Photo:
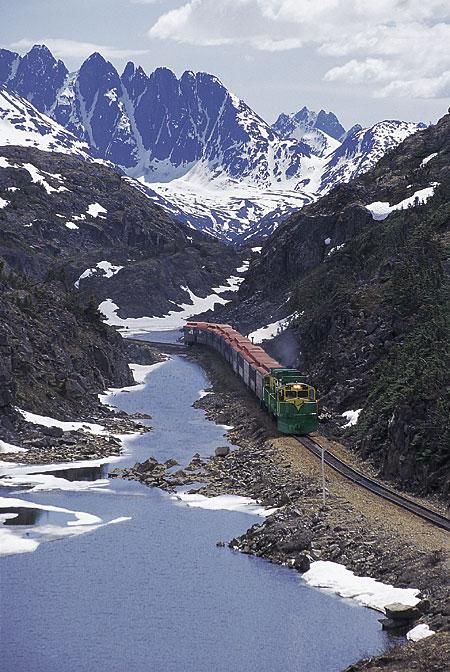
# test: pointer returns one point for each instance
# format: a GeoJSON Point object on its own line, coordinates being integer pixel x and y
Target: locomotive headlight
{"type": "Point", "coordinates": [298, 387]}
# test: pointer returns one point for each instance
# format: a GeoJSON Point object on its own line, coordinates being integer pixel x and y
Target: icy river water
{"type": "Point", "coordinates": [153, 592]}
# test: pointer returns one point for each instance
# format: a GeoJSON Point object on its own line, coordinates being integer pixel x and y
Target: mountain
{"type": "Point", "coordinates": [322, 130]}
{"type": "Point", "coordinates": [297, 124]}
{"type": "Point", "coordinates": [362, 148]}
{"type": "Point", "coordinates": [363, 274]}
{"type": "Point", "coordinates": [200, 152]}
{"type": "Point", "coordinates": [84, 224]}
{"type": "Point", "coordinates": [22, 124]}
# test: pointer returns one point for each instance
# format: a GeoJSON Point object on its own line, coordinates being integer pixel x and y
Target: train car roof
{"type": "Point", "coordinates": [254, 354]}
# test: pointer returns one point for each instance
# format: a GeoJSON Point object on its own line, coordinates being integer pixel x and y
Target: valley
{"type": "Point", "coordinates": [129, 204]}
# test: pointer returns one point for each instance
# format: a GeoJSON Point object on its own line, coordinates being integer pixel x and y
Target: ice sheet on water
{"type": "Point", "coordinates": [25, 539]}
{"type": "Point", "coordinates": [46, 482]}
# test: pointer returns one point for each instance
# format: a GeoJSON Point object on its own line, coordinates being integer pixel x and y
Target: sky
{"type": "Point", "coordinates": [365, 60]}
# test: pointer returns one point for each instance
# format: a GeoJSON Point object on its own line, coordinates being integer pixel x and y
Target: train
{"type": "Point", "coordinates": [282, 392]}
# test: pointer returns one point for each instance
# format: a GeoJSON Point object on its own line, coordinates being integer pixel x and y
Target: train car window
{"type": "Point", "coordinates": [281, 395]}
{"type": "Point", "coordinates": [311, 394]}
{"type": "Point", "coordinates": [290, 394]}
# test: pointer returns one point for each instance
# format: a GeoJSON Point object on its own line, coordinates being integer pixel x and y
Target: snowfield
{"type": "Point", "coordinates": [175, 319]}
{"type": "Point", "coordinates": [22, 124]}
{"type": "Point", "coordinates": [382, 209]}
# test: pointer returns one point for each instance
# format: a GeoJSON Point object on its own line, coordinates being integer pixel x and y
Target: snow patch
{"type": "Point", "coordinates": [9, 448]}
{"type": "Point", "coordinates": [107, 269]}
{"type": "Point", "coordinates": [427, 159]}
{"type": "Point", "coordinates": [71, 225]}
{"type": "Point", "coordinates": [66, 426]}
{"type": "Point", "coordinates": [96, 210]}
{"type": "Point", "coordinates": [3, 203]}
{"type": "Point", "coordinates": [38, 178]}
{"type": "Point", "coordinates": [366, 591]}
{"type": "Point", "coordinates": [203, 393]}
{"type": "Point", "coordinates": [381, 209]}
{"type": "Point", "coordinates": [222, 503]}
{"type": "Point", "coordinates": [351, 417]}
{"type": "Point", "coordinates": [175, 319]}
{"type": "Point", "coordinates": [244, 267]}
{"type": "Point", "coordinates": [271, 330]}
{"type": "Point", "coordinates": [421, 631]}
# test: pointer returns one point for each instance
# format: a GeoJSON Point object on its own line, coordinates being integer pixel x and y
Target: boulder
{"type": "Point", "coordinates": [53, 431]}
{"type": "Point", "coordinates": [302, 563]}
{"type": "Point", "coordinates": [300, 542]}
{"type": "Point", "coordinates": [401, 612]}
{"type": "Point", "coordinates": [222, 451]}
{"type": "Point", "coordinates": [148, 465]}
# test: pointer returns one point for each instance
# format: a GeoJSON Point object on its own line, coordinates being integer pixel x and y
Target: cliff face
{"type": "Point", "coordinates": [369, 285]}
{"type": "Point", "coordinates": [56, 355]}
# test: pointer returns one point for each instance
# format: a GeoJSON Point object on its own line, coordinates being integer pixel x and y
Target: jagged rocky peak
{"type": "Point", "coordinates": [299, 123]}
{"type": "Point", "coordinates": [160, 127]}
{"type": "Point", "coordinates": [39, 76]}
{"type": "Point", "coordinates": [362, 148]}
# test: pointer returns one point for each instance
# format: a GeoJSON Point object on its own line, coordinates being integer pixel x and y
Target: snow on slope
{"type": "Point", "coordinates": [362, 149]}
{"type": "Point", "coordinates": [22, 124]}
{"type": "Point", "coordinates": [201, 152]}
{"type": "Point", "coordinates": [230, 213]}
{"type": "Point", "coordinates": [381, 209]}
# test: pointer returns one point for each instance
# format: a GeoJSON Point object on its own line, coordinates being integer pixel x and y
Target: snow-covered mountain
{"type": "Point", "coordinates": [197, 149]}
{"type": "Point", "coordinates": [322, 131]}
{"type": "Point", "coordinates": [22, 124]}
{"type": "Point", "coordinates": [362, 148]}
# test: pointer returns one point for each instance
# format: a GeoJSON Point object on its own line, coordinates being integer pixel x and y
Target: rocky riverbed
{"type": "Point", "coordinates": [265, 466]}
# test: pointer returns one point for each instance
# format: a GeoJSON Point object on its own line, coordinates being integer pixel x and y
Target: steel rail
{"type": "Point", "coordinates": [375, 486]}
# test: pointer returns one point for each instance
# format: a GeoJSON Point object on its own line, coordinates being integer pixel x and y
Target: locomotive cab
{"type": "Point", "coordinates": [291, 400]}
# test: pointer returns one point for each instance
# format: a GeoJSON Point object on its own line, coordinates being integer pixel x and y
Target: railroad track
{"type": "Point", "coordinates": [374, 486]}
{"type": "Point", "coordinates": [162, 345]}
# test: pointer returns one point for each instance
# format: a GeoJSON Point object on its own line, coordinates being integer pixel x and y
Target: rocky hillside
{"type": "Point", "coordinates": [55, 354]}
{"type": "Point", "coordinates": [365, 272]}
{"type": "Point", "coordinates": [89, 227]}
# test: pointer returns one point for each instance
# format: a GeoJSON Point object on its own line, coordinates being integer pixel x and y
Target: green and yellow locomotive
{"type": "Point", "coordinates": [284, 393]}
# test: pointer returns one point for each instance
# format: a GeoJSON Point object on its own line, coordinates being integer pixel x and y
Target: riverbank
{"type": "Point", "coordinates": [40, 439]}
{"type": "Point", "coordinates": [368, 536]}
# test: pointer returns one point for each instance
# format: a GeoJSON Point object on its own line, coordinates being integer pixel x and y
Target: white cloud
{"type": "Point", "coordinates": [62, 48]}
{"type": "Point", "coordinates": [399, 47]}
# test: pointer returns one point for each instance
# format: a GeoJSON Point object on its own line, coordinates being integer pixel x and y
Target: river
{"type": "Point", "coordinates": [153, 591]}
